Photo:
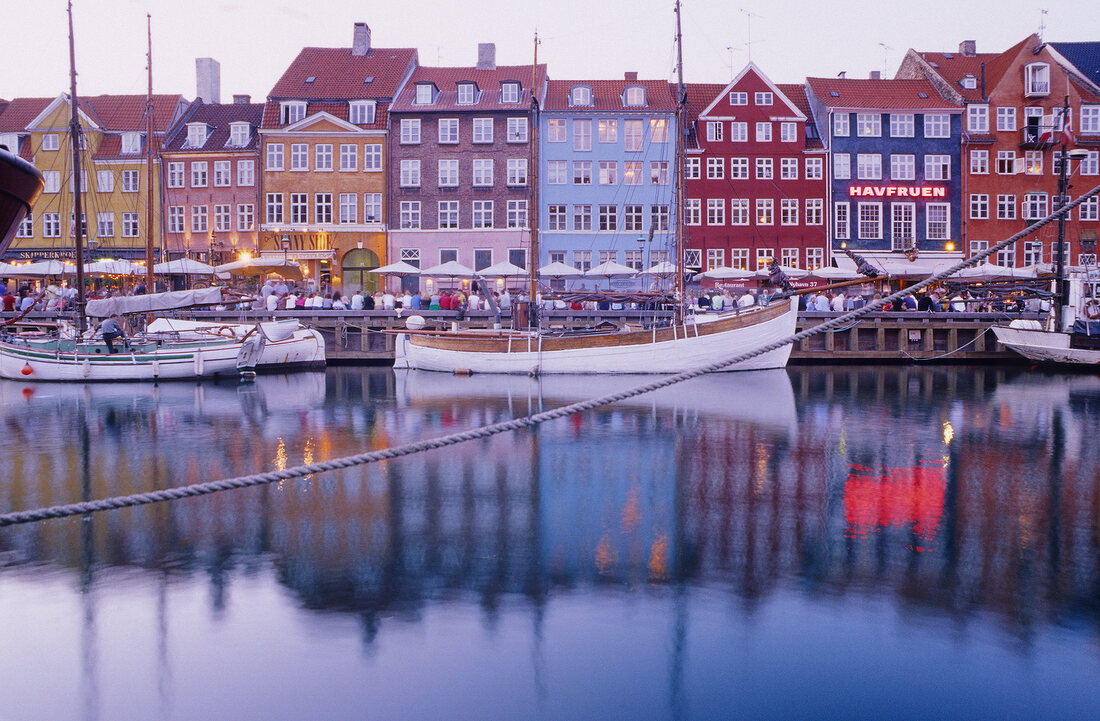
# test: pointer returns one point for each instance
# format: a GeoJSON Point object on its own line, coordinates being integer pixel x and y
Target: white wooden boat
{"type": "Point", "coordinates": [671, 349]}
{"type": "Point", "coordinates": [1077, 343]}
{"type": "Point", "coordinates": [287, 343]}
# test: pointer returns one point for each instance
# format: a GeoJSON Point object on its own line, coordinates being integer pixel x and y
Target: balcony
{"type": "Point", "coordinates": [1036, 88]}
{"type": "Point", "coordinates": [1039, 137]}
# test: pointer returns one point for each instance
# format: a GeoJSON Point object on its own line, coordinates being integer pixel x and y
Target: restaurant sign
{"type": "Point", "coordinates": [896, 191]}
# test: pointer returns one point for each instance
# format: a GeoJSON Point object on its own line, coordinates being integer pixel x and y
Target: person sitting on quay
{"type": "Point", "coordinates": [357, 299]}
{"type": "Point", "coordinates": [747, 300]}
{"type": "Point", "coordinates": [822, 302]}
{"type": "Point", "coordinates": [505, 300]}
{"type": "Point", "coordinates": [338, 301]}
{"type": "Point", "coordinates": [368, 301]}
{"type": "Point", "coordinates": [446, 300]}
{"type": "Point", "coordinates": [416, 302]}
{"type": "Point", "coordinates": [433, 301]}
{"type": "Point", "coordinates": [388, 301]}
{"type": "Point", "coordinates": [290, 301]}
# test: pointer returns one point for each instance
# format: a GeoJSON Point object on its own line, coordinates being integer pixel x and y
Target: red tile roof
{"type": "Point", "coordinates": [336, 109]}
{"type": "Point", "coordinates": [608, 95]}
{"type": "Point", "coordinates": [218, 117]}
{"type": "Point", "coordinates": [488, 82]}
{"type": "Point", "coordinates": [339, 75]}
{"type": "Point", "coordinates": [855, 94]}
{"type": "Point", "coordinates": [20, 112]}
{"type": "Point", "coordinates": [127, 112]}
{"type": "Point", "coordinates": [953, 68]}
{"type": "Point", "coordinates": [699, 96]}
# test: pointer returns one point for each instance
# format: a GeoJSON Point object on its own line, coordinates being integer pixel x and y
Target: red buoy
{"type": "Point", "coordinates": [27, 370]}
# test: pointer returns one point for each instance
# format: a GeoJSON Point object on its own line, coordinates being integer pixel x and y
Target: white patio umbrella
{"type": "Point", "coordinates": [183, 266]}
{"type": "Point", "coordinates": [43, 268]}
{"type": "Point", "coordinates": [611, 269]}
{"type": "Point", "coordinates": [990, 271]}
{"type": "Point", "coordinates": [399, 269]}
{"type": "Point", "coordinates": [113, 267]}
{"type": "Point", "coordinates": [664, 269]}
{"type": "Point", "coordinates": [503, 269]}
{"type": "Point", "coordinates": [559, 270]}
{"type": "Point", "coordinates": [261, 266]}
{"type": "Point", "coordinates": [726, 273]}
{"type": "Point", "coordinates": [451, 269]}
{"type": "Point", "coordinates": [830, 273]}
{"type": "Point", "coordinates": [791, 272]}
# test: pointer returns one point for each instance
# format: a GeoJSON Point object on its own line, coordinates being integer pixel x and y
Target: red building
{"type": "Point", "coordinates": [755, 183]}
{"type": "Point", "coordinates": [1012, 136]}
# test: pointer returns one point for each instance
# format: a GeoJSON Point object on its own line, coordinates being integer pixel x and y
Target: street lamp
{"type": "Point", "coordinates": [285, 242]}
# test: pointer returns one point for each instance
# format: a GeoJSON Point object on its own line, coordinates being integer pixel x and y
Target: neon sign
{"type": "Point", "coordinates": [896, 191]}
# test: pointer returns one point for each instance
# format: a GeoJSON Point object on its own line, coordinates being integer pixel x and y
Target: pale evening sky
{"type": "Point", "coordinates": [255, 40]}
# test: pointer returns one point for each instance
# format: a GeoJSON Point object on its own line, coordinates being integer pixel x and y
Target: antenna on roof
{"type": "Point", "coordinates": [885, 52]}
{"type": "Point", "coordinates": [1042, 23]}
{"type": "Point", "coordinates": [748, 30]}
{"type": "Point", "coordinates": [732, 49]}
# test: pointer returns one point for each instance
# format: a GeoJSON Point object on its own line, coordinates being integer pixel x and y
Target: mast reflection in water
{"type": "Point", "coordinates": [871, 543]}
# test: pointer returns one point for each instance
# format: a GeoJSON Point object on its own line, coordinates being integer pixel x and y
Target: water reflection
{"type": "Point", "coordinates": [952, 493]}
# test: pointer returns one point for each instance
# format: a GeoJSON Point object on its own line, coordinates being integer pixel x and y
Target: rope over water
{"type": "Point", "coordinates": [258, 479]}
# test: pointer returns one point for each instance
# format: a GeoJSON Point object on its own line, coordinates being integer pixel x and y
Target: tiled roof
{"type": "Point", "coordinates": [338, 75]}
{"type": "Point", "coordinates": [336, 109]}
{"type": "Point", "coordinates": [699, 96]}
{"type": "Point", "coordinates": [1084, 56]}
{"type": "Point", "coordinates": [20, 112]}
{"type": "Point", "coordinates": [488, 82]}
{"type": "Point", "coordinates": [796, 93]}
{"type": "Point", "coordinates": [608, 95]}
{"type": "Point", "coordinates": [218, 117]}
{"type": "Point", "coordinates": [127, 112]}
{"type": "Point", "coordinates": [852, 93]}
{"type": "Point", "coordinates": [111, 147]}
{"type": "Point", "coordinates": [953, 67]}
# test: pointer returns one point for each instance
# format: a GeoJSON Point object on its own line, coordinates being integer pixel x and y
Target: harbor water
{"type": "Point", "coordinates": [867, 542]}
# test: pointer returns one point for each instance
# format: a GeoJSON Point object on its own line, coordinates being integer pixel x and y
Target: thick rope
{"type": "Point", "coordinates": [258, 479]}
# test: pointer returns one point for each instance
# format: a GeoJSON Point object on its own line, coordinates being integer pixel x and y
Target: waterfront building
{"type": "Point", "coordinates": [1012, 140]}
{"type": "Point", "coordinates": [323, 147]}
{"type": "Point", "coordinates": [114, 175]}
{"type": "Point", "coordinates": [211, 188]}
{"type": "Point", "coordinates": [754, 170]}
{"type": "Point", "coordinates": [607, 174]}
{"type": "Point", "coordinates": [894, 153]}
{"type": "Point", "coordinates": [460, 163]}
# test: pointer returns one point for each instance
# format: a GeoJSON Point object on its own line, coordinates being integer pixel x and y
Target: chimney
{"type": "Point", "coordinates": [876, 75]}
{"type": "Point", "coordinates": [208, 80]}
{"type": "Point", "coordinates": [486, 56]}
{"type": "Point", "coordinates": [842, 74]}
{"type": "Point", "coordinates": [968, 48]}
{"type": "Point", "coordinates": [360, 41]}
{"type": "Point", "coordinates": [242, 99]}
{"type": "Point", "coordinates": [631, 75]}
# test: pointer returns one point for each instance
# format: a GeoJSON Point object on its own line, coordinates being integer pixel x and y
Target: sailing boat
{"type": "Point", "coordinates": [688, 342]}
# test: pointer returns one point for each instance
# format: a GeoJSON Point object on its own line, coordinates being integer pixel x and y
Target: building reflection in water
{"type": "Point", "coordinates": [953, 490]}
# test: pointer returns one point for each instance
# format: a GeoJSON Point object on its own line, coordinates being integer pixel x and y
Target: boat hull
{"type": "Point", "coordinates": [664, 350]}
{"type": "Point", "coordinates": [288, 344]}
{"type": "Point", "coordinates": [1045, 346]}
{"type": "Point", "coordinates": [32, 361]}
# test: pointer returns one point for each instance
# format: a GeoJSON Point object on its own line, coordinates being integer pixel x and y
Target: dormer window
{"type": "Point", "coordinates": [131, 143]}
{"type": "Point", "coordinates": [970, 82]}
{"type": "Point", "coordinates": [425, 93]}
{"type": "Point", "coordinates": [467, 93]}
{"type": "Point", "coordinates": [509, 93]}
{"type": "Point", "coordinates": [1036, 79]}
{"type": "Point", "coordinates": [581, 95]}
{"type": "Point", "coordinates": [291, 111]}
{"type": "Point", "coordinates": [239, 134]}
{"type": "Point", "coordinates": [361, 112]}
{"type": "Point", "coordinates": [196, 135]}
{"type": "Point", "coordinates": [634, 96]}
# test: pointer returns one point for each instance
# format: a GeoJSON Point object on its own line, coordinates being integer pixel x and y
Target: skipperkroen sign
{"type": "Point", "coordinates": [896, 191]}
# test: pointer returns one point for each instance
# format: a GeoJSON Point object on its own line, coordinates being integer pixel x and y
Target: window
{"type": "Point", "coordinates": [658, 130]}
{"type": "Point", "coordinates": [483, 130]}
{"type": "Point", "coordinates": [349, 157]}
{"type": "Point", "coordinates": [51, 225]}
{"type": "Point", "coordinates": [979, 162]}
{"type": "Point", "coordinates": [448, 172]}
{"type": "Point", "coordinates": [788, 168]}
{"type": "Point", "coordinates": [815, 211]}
{"type": "Point", "coordinates": [582, 217]}
{"type": "Point", "coordinates": [410, 214]}
{"type": "Point", "coordinates": [1006, 207]}
{"type": "Point", "coordinates": [869, 166]}
{"type": "Point", "coordinates": [349, 208]}
{"type": "Point", "coordinates": [322, 156]}
{"type": "Point", "coordinates": [222, 215]}
{"type": "Point", "coordinates": [582, 260]}
{"type": "Point", "coordinates": [903, 225]}
{"type": "Point", "coordinates": [555, 172]}
{"type": "Point", "coordinates": [716, 258]}
{"type": "Point", "coordinates": [977, 118]}
{"type": "Point", "coordinates": [105, 225]}
{"type": "Point", "coordinates": [131, 142]}
{"type": "Point", "coordinates": [764, 169]}
{"type": "Point", "coordinates": [410, 173]}
{"type": "Point", "coordinates": [1006, 119]}
{"type": "Point", "coordinates": [1089, 210]}
{"type": "Point", "coordinates": [868, 125]}
{"type": "Point", "coordinates": [582, 134]}
{"type": "Point", "coordinates": [196, 137]}
{"type": "Point", "coordinates": [483, 214]}
{"type": "Point", "coordinates": [555, 130]}
{"type": "Point", "coordinates": [840, 125]}
{"type": "Point", "coordinates": [446, 255]}
{"type": "Point", "coordinates": [608, 131]}
{"type": "Point", "coordinates": [483, 172]}
{"type": "Point", "coordinates": [175, 218]}
{"type": "Point", "coordinates": [517, 171]}
{"type": "Point", "coordinates": [275, 208]}
{"type": "Point", "coordinates": [448, 131]}
{"type": "Point", "coordinates": [274, 156]}
{"type": "Point", "coordinates": [1034, 206]}
{"type": "Point", "coordinates": [659, 217]}
{"type": "Point", "coordinates": [658, 172]}
{"type": "Point", "coordinates": [580, 95]}
{"type": "Point", "coordinates": [130, 222]}
{"type": "Point", "coordinates": [299, 208]}
{"type": "Point", "coordinates": [223, 170]}
{"type": "Point", "coordinates": [299, 156]}
{"type": "Point", "coordinates": [556, 215]}
{"type": "Point", "coordinates": [84, 181]}
{"type": "Point", "coordinates": [517, 130]}
{"type": "Point", "coordinates": [979, 246]}
{"type": "Point", "coordinates": [246, 216]}
{"type": "Point", "coordinates": [715, 168]}
{"type": "Point", "coordinates": [842, 166]}
{"type": "Point", "coordinates": [938, 221]}
{"type": "Point", "coordinates": [239, 134]}
{"type": "Point", "coordinates": [466, 93]}
{"type": "Point", "coordinates": [903, 167]}
{"type": "Point", "coordinates": [1033, 252]}
{"type": "Point", "coordinates": [1091, 164]}
{"type": "Point", "coordinates": [105, 179]}
{"type": "Point", "coordinates": [693, 168]}
{"type": "Point", "coordinates": [763, 257]}
{"type": "Point", "coordinates": [609, 217]}
{"type": "Point", "coordinates": [425, 93]}
{"type": "Point", "coordinates": [49, 142]}
{"type": "Point", "coordinates": [131, 179]}
{"type": "Point", "coordinates": [739, 258]}
{"type": "Point", "coordinates": [246, 173]}
{"type": "Point", "coordinates": [1006, 162]}
{"type": "Point", "coordinates": [937, 125]}
{"type": "Point", "coordinates": [632, 172]}
{"type": "Point", "coordinates": [53, 181]}
{"type": "Point", "coordinates": [937, 167]}
{"type": "Point", "coordinates": [410, 131]}
{"type": "Point", "coordinates": [608, 172]}
{"type": "Point", "coordinates": [633, 259]}
{"type": "Point", "coordinates": [870, 221]}
{"type": "Point", "coordinates": [788, 211]}
{"type": "Point", "coordinates": [632, 135]}
{"type": "Point", "coordinates": [739, 211]}
{"type": "Point", "coordinates": [765, 211]}
{"type": "Point", "coordinates": [815, 168]}
{"type": "Point", "coordinates": [372, 157]}
{"type": "Point", "coordinates": [199, 220]}
{"type": "Point", "coordinates": [902, 125]}
{"type": "Point", "coordinates": [789, 257]}
{"type": "Point", "coordinates": [739, 168]}
{"type": "Point", "coordinates": [582, 172]}
{"type": "Point", "coordinates": [840, 221]}
{"type": "Point", "coordinates": [763, 132]}
{"type": "Point", "coordinates": [979, 206]}
{"type": "Point", "coordinates": [788, 132]}
{"type": "Point", "coordinates": [1036, 79]}
{"type": "Point", "coordinates": [632, 217]}
{"type": "Point", "coordinates": [1033, 162]}
{"type": "Point", "coordinates": [738, 98]}
{"type": "Point", "coordinates": [762, 98]}
{"type": "Point", "coordinates": [372, 207]}
{"type": "Point", "coordinates": [175, 177]}
{"type": "Point", "coordinates": [448, 214]}
{"type": "Point", "coordinates": [693, 211]}
{"type": "Point", "coordinates": [716, 211]}
{"type": "Point", "coordinates": [361, 112]}
{"type": "Point", "coordinates": [1090, 119]}
{"type": "Point", "coordinates": [26, 226]}
{"type": "Point", "coordinates": [509, 93]}
{"type": "Point", "coordinates": [291, 112]}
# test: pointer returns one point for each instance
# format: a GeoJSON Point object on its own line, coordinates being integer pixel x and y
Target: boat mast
{"type": "Point", "coordinates": [681, 128]}
{"type": "Point", "coordinates": [78, 210]}
{"type": "Point", "coordinates": [149, 287]}
{"type": "Point", "coordinates": [1060, 295]}
{"type": "Point", "coordinates": [533, 212]}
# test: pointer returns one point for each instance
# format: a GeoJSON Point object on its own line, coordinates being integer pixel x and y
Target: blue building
{"type": "Point", "coordinates": [607, 174]}
{"type": "Point", "coordinates": [895, 149]}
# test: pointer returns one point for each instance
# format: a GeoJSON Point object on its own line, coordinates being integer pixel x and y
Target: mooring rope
{"type": "Point", "coordinates": [258, 479]}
